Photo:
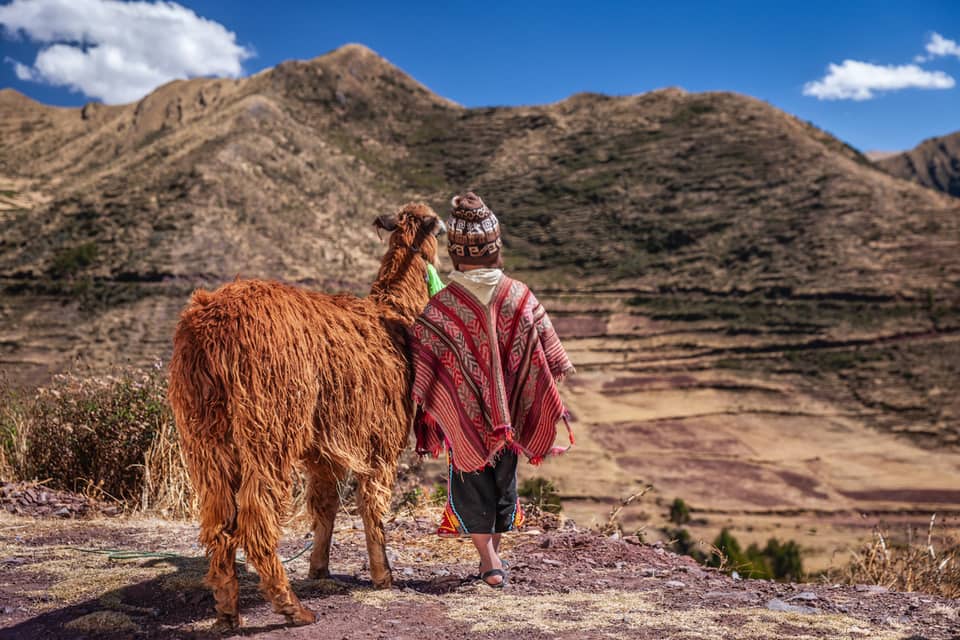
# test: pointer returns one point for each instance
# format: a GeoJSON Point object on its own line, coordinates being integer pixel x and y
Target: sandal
{"type": "Point", "coordinates": [506, 565]}
{"type": "Point", "coordinates": [494, 572]}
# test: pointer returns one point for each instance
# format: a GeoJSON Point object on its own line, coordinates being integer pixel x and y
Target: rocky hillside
{"type": "Point", "coordinates": [934, 163]}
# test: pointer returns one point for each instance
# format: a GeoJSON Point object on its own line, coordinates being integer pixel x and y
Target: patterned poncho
{"type": "Point", "coordinates": [485, 375]}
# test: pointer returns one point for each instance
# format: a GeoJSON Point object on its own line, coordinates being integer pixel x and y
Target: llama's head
{"type": "Point", "coordinates": [414, 227]}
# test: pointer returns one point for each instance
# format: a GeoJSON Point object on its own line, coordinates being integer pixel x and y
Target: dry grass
{"type": "Point", "coordinates": [928, 566]}
{"type": "Point", "coordinates": [14, 418]}
{"type": "Point", "coordinates": [166, 485]}
{"type": "Point", "coordinates": [613, 524]}
{"type": "Point", "coordinates": [103, 622]}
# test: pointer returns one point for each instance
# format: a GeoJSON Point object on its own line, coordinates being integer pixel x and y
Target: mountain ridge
{"type": "Point", "coordinates": [934, 163]}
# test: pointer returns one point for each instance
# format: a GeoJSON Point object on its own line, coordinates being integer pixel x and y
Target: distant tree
{"type": "Point", "coordinates": [784, 559]}
{"type": "Point", "coordinates": [683, 543]}
{"type": "Point", "coordinates": [728, 546]}
{"type": "Point", "coordinates": [756, 564]}
{"type": "Point", "coordinates": [679, 512]}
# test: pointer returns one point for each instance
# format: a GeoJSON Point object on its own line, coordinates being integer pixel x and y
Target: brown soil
{"type": "Point", "coordinates": [564, 583]}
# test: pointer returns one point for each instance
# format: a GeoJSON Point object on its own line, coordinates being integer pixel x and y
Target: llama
{"type": "Point", "coordinates": [265, 376]}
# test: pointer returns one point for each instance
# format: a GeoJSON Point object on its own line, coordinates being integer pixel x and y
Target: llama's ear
{"type": "Point", "coordinates": [387, 222]}
{"type": "Point", "coordinates": [431, 224]}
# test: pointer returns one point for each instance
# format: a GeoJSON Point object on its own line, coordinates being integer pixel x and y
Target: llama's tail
{"type": "Point", "coordinates": [197, 388]}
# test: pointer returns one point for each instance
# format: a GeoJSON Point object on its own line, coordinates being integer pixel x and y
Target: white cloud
{"type": "Point", "coordinates": [854, 80]}
{"type": "Point", "coordinates": [938, 46]}
{"type": "Point", "coordinates": [120, 51]}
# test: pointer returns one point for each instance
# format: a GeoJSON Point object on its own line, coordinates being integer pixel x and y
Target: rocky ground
{"type": "Point", "coordinates": [57, 581]}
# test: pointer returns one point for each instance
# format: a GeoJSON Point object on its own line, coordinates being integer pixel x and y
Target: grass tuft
{"type": "Point", "coordinates": [930, 565]}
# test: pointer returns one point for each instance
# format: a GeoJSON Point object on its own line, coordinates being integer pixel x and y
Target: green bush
{"type": "Point", "coordinates": [541, 493]}
{"type": "Point", "coordinates": [411, 499]}
{"type": "Point", "coordinates": [69, 261]}
{"type": "Point", "coordinates": [777, 560]}
{"type": "Point", "coordinates": [679, 512]}
{"type": "Point", "coordinates": [683, 543]}
{"type": "Point", "coordinates": [438, 496]}
{"type": "Point", "coordinates": [93, 434]}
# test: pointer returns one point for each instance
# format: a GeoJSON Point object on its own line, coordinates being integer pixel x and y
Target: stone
{"type": "Point", "coordinates": [777, 604]}
{"type": "Point", "coordinates": [674, 584]}
{"type": "Point", "coordinates": [871, 588]}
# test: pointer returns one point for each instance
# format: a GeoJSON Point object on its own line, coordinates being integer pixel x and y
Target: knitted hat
{"type": "Point", "coordinates": [473, 232]}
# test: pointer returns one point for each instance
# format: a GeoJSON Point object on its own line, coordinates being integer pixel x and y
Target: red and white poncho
{"type": "Point", "coordinates": [485, 375]}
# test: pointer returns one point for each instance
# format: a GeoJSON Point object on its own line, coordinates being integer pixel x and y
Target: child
{"type": "Point", "coordinates": [486, 361]}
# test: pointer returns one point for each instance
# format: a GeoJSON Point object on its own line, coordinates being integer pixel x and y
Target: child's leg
{"type": "Point", "coordinates": [505, 477]}
{"type": "Point", "coordinates": [488, 556]}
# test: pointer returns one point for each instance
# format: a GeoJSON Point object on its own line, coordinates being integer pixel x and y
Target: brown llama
{"type": "Point", "coordinates": [266, 376]}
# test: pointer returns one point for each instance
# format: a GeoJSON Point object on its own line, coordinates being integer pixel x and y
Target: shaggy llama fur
{"type": "Point", "coordinates": [265, 376]}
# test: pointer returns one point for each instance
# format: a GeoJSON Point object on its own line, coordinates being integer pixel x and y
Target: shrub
{"type": "Point", "coordinates": [683, 543]}
{"type": "Point", "coordinates": [69, 261]}
{"type": "Point", "coordinates": [679, 512]}
{"type": "Point", "coordinates": [109, 436]}
{"type": "Point", "coordinates": [438, 496]}
{"type": "Point", "coordinates": [411, 499]}
{"type": "Point", "coordinates": [777, 560]}
{"type": "Point", "coordinates": [14, 411]}
{"type": "Point", "coordinates": [541, 493]}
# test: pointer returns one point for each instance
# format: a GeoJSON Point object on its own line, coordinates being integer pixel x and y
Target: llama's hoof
{"type": "Point", "coordinates": [383, 583]}
{"type": "Point", "coordinates": [319, 573]}
{"type": "Point", "coordinates": [301, 617]}
{"type": "Point", "coordinates": [227, 622]}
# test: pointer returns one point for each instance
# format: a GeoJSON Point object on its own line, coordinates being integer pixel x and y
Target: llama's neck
{"type": "Point", "coordinates": [401, 285]}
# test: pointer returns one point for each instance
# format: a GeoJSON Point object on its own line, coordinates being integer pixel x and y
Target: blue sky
{"type": "Point", "coordinates": [507, 53]}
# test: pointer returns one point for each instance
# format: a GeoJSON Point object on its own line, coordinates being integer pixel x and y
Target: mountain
{"type": "Point", "coordinates": [278, 174]}
{"type": "Point", "coordinates": [934, 163]}
{"type": "Point", "coordinates": [113, 214]}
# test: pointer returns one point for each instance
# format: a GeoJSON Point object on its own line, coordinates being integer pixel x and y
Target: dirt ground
{"type": "Point", "coordinates": [564, 583]}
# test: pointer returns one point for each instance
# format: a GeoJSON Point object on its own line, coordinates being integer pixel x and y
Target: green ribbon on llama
{"type": "Point", "coordinates": [434, 284]}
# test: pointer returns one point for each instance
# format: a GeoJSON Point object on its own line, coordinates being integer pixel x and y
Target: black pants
{"type": "Point", "coordinates": [485, 501]}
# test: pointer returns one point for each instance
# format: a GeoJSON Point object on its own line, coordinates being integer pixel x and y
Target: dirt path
{"type": "Point", "coordinates": [565, 583]}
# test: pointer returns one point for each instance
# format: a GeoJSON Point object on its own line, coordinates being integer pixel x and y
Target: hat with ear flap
{"type": "Point", "coordinates": [473, 231]}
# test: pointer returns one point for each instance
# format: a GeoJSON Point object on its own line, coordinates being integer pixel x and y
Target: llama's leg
{"type": "Point", "coordinates": [261, 503]}
{"type": "Point", "coordinates": [374, 492]}
{"type": "Point", "coordinates": [215, 480]}
{"type": "Point", "coordinates": [222, 578]}
{"type": "Point", "coordinates": [323, 499]}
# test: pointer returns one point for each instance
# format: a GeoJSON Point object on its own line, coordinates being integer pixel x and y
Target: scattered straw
{"type": "Point", "coordinates": [930, 565]}
{"type": "Point", "coordinates": [103, 622]}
